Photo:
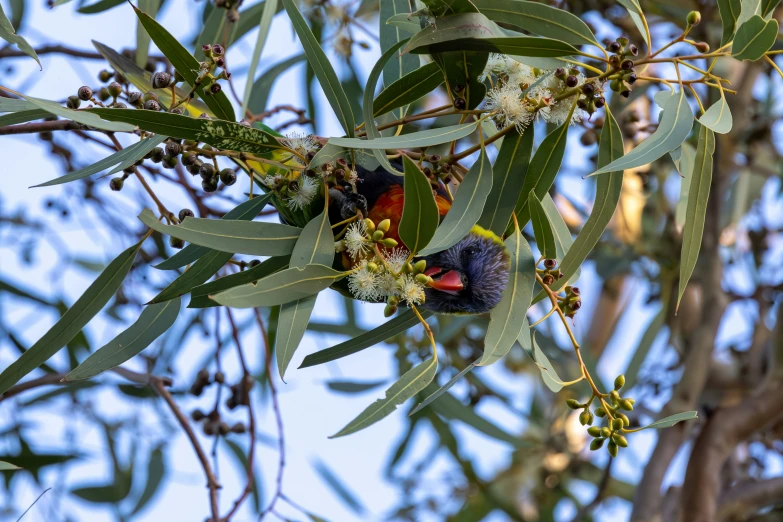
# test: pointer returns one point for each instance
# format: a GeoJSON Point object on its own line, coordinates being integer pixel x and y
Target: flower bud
{"type": "Point", "coordinates": [420, 266]}
{"type": "Point", "coordinates": [617, 423]}
{"type": "Point", "coordinates": [116, 184]}
{"type": "Point", "coordinates": [694, 18]}
{"type": "Point", "coordinates": [115, 89]}
{"type": "Point", "coordinates": [369, 225]}
{"type": "Point", "coordinates": [105, 76]}
{"type": "Point", "coordinates": [594, 431]}
{"type": "Point", "coordinates": [422, 279]}
{"type": "Point", "coordinates": [702, 47]}
{"type": "Point", "coordinates": [585, 418]}
{"type": "Point", "coordinates": [384, 225]}
{"type": "Point", "coordinates": [625, 419]}
{"type": "Point", "coordinates": [372, 267]}
{"type": "Point", "coordinates": [596, 444]}
{"type": "Point", "coordinates": [389, 242]}
{"type": "Point", "coordinates": [605, 432]}
{"type": "Point", "coordinates": [389, 310]}
{"type": "Point", "coordinates": [73, 102]}
{"type": "Point", "coordinates": [377, 235]}
{"type": "Point", "coordinates": [185, 213]}
{"type": "Point", "coordinates": [620, 440]}
{"type": "Point", "coordinates": [612, 448]}
{"type": "Point", "coordinates": [619, 382]}
{"type": "Point", "coordinates": [626, 405]}
{"type": "Point", "coordinates": [574, 404]}
{"type": "Point", "coordinates": [600, 412]}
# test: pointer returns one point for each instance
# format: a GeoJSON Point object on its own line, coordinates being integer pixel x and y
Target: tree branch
{"type": "Point", "coordinates": [43, 126]}
{"type": "Point", "coordinates": [746, 498]}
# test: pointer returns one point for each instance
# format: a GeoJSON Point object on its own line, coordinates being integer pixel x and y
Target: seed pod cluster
{"type": "Point", "coordinates": [617, 422]}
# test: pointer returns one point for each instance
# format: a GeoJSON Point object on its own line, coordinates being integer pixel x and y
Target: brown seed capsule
{"type": "Point", "coordinates": [209, 185]}
{"type": "Point", "coordinates": [627, 65]}
{"type": "Point", "coordinates": [238, 428]}
{"type": "Point", "coordinates": [548, 279]}
{"type": "Point", "coordinates": [218, 50]}
{"type": "Point", "coordinates": [215, 88]}
{"type": "Point", "coordinates": [460, 104]}
{"type": "Point", "coordinates": [550, 263]}
{"type": "Point", "coordinates": [633, 50]}
{"type": "Point", "coordinates": [588, 89]}
{"type": "Point", "coordinates": [613, 47]}
{"type": "Point", "coordinates": [161, 80]}
{"type": "Point", "coordinates": [571, 81]}
{"type": "Point", "coordinates": [228, 177]}
{"type": "Point", "coordinates": [197, 415]}
{"type": "Point", "coordinates": [207, 171]}
{"type": "Point", "coordinates": [599, 102]}
{"type": "Point", "coordinates": [73, 102]}
{"type": "Point", "coordinates": [105, 76]}
{"type": "Point", "coordinates": [116, 184]}
{"type": "Point", "coordinates": [135, 98]}
{"type": "Point", "coordinates": [176, 242]}
{"type": "Point", "coordinates": [115, 89]}
{"type": "Point", "coordinates": [151, 105]}
{"type": "Point", "coordinates": [84, 93]}
{"type": "Point", "coordinates": [185, 213]}
{"type": "Point", "coordinates": [220, 62]}
{"type": "Point", "coordinates": [173, 148]}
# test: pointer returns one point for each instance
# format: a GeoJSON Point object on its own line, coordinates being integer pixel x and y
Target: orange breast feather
{"type": "Point", "coordinates": [389, 206]}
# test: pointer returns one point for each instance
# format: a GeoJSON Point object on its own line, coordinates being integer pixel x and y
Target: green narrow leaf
{"type": "Point", "coordinates": [99, 7]}
{"type": "Point", "coordinates": [563, 237]}
{"type": "Point", "coordinates": [747, 10]}
{"type": "Point", "coordinates": [696, 213]}
{"type": "Point", "coordinates": [668, 422]}
{"type": "Point", "coordinates": [548, 373]}
{"type": "Point", "coordinates": [23, 117]}
{"type": "Point", "coordinates": [408, 89]}
{"type": "Point", "coordinates": [212, 31]}
{"type": "Point", "coordinates": [270, 8]}
{"type": "Point", "coordinates": [262, 87]}
{"type": "Point", "coordinates": [404, 22]}
{"type": "Point", "coordinates": [650, 334]}
{"type": "Point", "coordinates": [224, 135]}
{"type": "Point", "coordinates": [247, 210]}
{"type": "Point", "coordinates": [464, 68]}
{"type": "Point", "coordinates": [353, 387]}
{"type": "Point", "coordinates": [450, 408]}
{"type": "Point", "coordinates": [425, 138]}
{"type": "Point", "coordinates": [729, 13]}
{"type": "Point", "coordinates": [540, 19]}
{"type": "Point", "coordinates": [508, 174]}
{"type": "Point", "coordinates": [718, 117]}
{"type": "Point", "coordinates": [150, 7]}
{"type": "Point", "coordinates": [199, 296]}
{"type": "Point", "coordinates": [414, 381]}
{"type": "Point", "coordinates": [156, 471]}
{"type": "Point", "coordinates": [82, 117]}
{"type": "Point", "coordinates": [543, 169]}
{"type": "Point", "coordinates": [674, 127]}
{"type": "Point", "coordinates": [5, 466]}
{"type": "Point", "coordinates": [330, 153]}
{"type": "Point", "coordinates": [281, 287]}
{"type": "Point", "coordinates": [315, 245]}
{"type": "Point", "coordinates": [121, 159]}
{"type": "Point", "coordinates": [754, 38]}
{"type": "Point", "coordinates": [686, 163]}
{"type": "Point", "coordinates": [387, 330]}
{"type": "Point", "coordinates": [238, 237]}
{"type": "Point", "coordinates": [637, 15]}
{"type": "Point", "coordinates": [8, 34]}
{"type": "Point", "coordinates": [391, 35]}
{"type": "Point", "coordinates": [465, 25]}
{"type": "Point", "coordinates": [466, 209]}
{"type": "Point", "coordinates": [338, 487]}
{"type": "Point", "coordinates": [71, 323]}
{"type": "Point", "coordinates": [153, 321]}
{"type": "Point", "coordinates": [542, 228]}
{"type": "Point", "coordinates": [768, 6]}
{"type": "Point", "coordinates": [507, 319]}
{"type": "Point", "coordinates": [14, 105]}
{"type": "Point", "coordinates": [607, 195]}
{"type": "Point", "coordinates": [419, 212]}
{"type": "Point", "coordinates": [322, 68]}
{"type": "Point", "coordinates": [443, 389]}
{"type": "Point", "coordinates": [185, 64]}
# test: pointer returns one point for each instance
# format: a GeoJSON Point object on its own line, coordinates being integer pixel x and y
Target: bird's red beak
{"type": "Point", "coordinates": [451, 281]}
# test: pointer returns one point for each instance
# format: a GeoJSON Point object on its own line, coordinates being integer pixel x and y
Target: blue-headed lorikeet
{"type": "Point", "coordinates": [469, 277]}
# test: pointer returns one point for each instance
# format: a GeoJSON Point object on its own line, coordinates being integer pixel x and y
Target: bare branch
{"type": "Point", "coordinates": [746, 498]}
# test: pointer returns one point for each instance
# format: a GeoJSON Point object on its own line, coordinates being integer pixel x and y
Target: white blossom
{"type": "Point", "coordinates": [301, 143]}
{"type": "Point", "coordinates": [397, 259]}
{"type": "Point", "coordinates": [410, 291]}
{"type": "Point", "coordinates": [558, 113]}
{"type": "Point", "coordinates": [363, 283]}
{"type": "Point", "coordinates": [509, 107]}
{"type": "Point", "coordinates": [308, 187]}
{"type": "Point", "coordinates": [356, 241]}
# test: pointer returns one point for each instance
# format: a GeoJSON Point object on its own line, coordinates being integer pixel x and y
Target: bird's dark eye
{"type": "Point", "coordinates": [469, 252]}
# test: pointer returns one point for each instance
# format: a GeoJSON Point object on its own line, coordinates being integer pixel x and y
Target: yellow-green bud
{"type": "Point", "coordinates": [620, 440]}
{"type": "Point", "coordinates": [422, 279]}
{"type": "Point", "coordinates": [407, 268]}
{"type": "Point", "coordinates": [372, 267]}
{"type": "Point", "coordinates": [389, 242]}
{"type": "Point", "coordinates": [612, 448]}
{"type": "Point", "coordinates": [626, 405]}
{"type": "Point", "coordinates": [393, 300]}
{"type": "Point", "coordinates": [617, 424]}
{"type": "Point", "coordinates": [573, 404]}
{"type": "Point", "coordinates": [585, 418]}
{"type": "Point", "coordinates": [596, 444]}
{"type": "Point", "coordinates": [605, 432]}
{"type": "Point", "coordinates": [370, 225]}
{"type": "Point", "coordinates": [614, 395]}
{"type": "Point", "coordinates": [626, 420]}
{"type": "Point", "coordinates": [694, 17]}
{"type": "Point", "coordinates": [594, 431]}
{"type": "Point", "coordinates": [377, 235]}
{"type": "Point", "coordinates": [384, 225]}
{"type": "Point", "coordinates": [619, 382]}
{"type": "Point", "coordinates": [600, 412]}
{"type": "Point", "coordinates": [389, 310]}
{"type": "Point", "coordinates": [420, 266]}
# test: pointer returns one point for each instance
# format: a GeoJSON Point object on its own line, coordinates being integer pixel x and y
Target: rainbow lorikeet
{"type": "Point", "coordinates": [469, 277]}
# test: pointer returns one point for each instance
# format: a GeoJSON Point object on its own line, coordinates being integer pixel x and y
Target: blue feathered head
{"type": "Point", "coordinates": [470, 277]}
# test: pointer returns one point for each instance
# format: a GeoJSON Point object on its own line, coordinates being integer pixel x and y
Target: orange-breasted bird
{"type": "Point", "coordinates": [468, 278]}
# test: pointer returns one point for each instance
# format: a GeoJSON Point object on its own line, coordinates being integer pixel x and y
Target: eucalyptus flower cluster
{"type": "Point", "coordinates": [382, 271]}
{"type": "Point", "coordinates": [617, 422]}
{"type": "Point", "coordinates": [521, 94]}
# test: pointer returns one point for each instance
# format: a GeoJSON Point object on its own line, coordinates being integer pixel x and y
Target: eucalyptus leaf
{"type": "Point", "coordinates": [464, 68]}
{"type": "Point", "coordinates": [330, 152]}
{"type": "Point", "coordinates": [425, 138]}
{"type": "Point", "coordinates": [404, 22]}
{"type": "Point", "coordinates": [696, 213]}
{"type": "Point", "coordinates": [450, 408]}
{"type": "Point", "coordinates": [71, 322]}
{"type": "Point", "coordinates": [23, 117]}
{"type": "Point", "coordinates": [443, 389]}
{"type": "Point", "coordinates": [466, 25]}
{"type": "Point", "coordinates": [687, 161]}
{"type": "Point", "coordinates": [563, 237]}
{"type": "Point", "coordinates": [548, 373]}
{"type": "Point", "coordinates": [259, 95]}
{"type": "Point", "coordinates": [224, 135]}
{"type": "Point", "coordinates": [411, 383]}
{"type": "Point", "coordinates": [156, 471]}
{"type": "Point", "coordinates": [466, 209]}
{"type": "Point", "coordinates": [508, 174]}
{"type": "Point", "coordinates": [419, 212]}
{"type": "Point", "coordinates": [238, 237]}
{"type": "Point", "coordinates": [281, 287]}
{"type": "Point", "coordinates": [100, 6]}
{"type": "Point", "coordinates": [150, 7]}
{"type": "Point", "coordinates": [352, 386]}
{"type": "Point", "coordinates": [247, 210]}
{"type": "Point", "coordinates": [542, 228]}
{"type": "Point", "coordinates": [403, 322]}
{"type": "Point", "coordinates": [637, 15]}
{"type": "Point", "coordinates": [391, 35]}
{"type": "Point", "coordinates": [199, 295]}
{"type": "Point", "coordinates": [674, 127]}
{"type": "Point", "coordinates": [671, 420]}
{"type": "Point", "coordinates": [270, 8]}
{"type": "Point", "coordinates": [5, 466]}
{"type": "Point", "coordinates": [154, 320]}
{"type": "Point", "coordinates": [540, 19]}
{"type": "Point", "coordinates": [718, 117]}
{"type": "Point", "coordinates": [186, 65]}
{"type": "Point", "coordinates": [507, 319]}
{"type": "Point", "coordinates": [315, 245]}
{"type": "Point", "coordinates": [8, 34]}
{"type": "Point", "coordinates": [729, 13]}
{"type": "Point", "coordinates": [513, 45]}
{"type": "Point", "coordinates": [83, 117]}
{"type": "Point", "coordinates": [408, 89]}
{"type": "Point", "coordinates": [754, 38]}
{"type": "Point", "coordinates": [322, 68]}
